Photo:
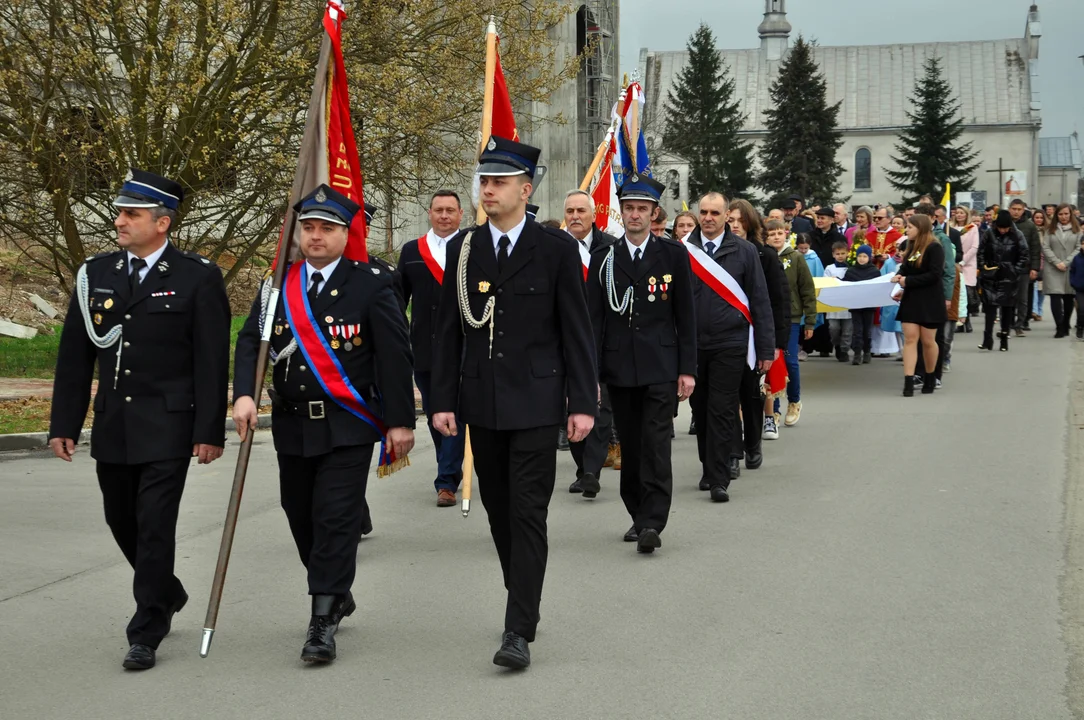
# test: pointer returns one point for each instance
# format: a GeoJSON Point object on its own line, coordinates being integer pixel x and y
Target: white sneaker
{"type": "Point", "coordinates": [771, 430]}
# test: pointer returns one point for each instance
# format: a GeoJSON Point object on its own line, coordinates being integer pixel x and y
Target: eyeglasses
{"type": "Point", "coordinates": [880, 217]}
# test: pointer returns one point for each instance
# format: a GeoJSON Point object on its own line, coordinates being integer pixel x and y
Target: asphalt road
{"type": "Point", "coordinates": [892, 559]}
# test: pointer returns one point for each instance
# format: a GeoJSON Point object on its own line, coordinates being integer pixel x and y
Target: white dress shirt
{"type": "Point", "coordinates": [438, 246]}
{"type": "Point", "coordinates": [151, 260]}
{"type": "Point", "coordinates": [325, 273]}
{"type": "Point", "coordinates": [513, 235]}
{"type": "Point", "coordinates": [642, 247]}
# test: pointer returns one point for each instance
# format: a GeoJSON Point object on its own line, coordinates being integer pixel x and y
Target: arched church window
{"type": "Point", "coordinates": [863, 169]}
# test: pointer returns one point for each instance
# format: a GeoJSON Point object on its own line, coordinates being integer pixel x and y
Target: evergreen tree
{"type": "Point", "coordinates": [799, 153]}
{"type": "Point", "coordinates": [929, 155]}
{"type": "Point", "coordinates": [703, 120]}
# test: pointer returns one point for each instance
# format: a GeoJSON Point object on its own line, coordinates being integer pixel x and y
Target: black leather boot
{"type": "Point", "coordinates": [929, 384]}
{"type": "Point", "coordinates": [1004, 341]}
{"type": "Point", "coordinates": [909, 386]}
{"type": "Point", "coordinates": [320, 643]}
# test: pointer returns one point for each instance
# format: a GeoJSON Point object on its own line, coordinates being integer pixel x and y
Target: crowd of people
{"type": "Point", "coordinates": [515, 328]}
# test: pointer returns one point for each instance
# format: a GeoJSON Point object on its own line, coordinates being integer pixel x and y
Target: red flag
{"type": "Point", "coordinates": [328, 152]}
{"type": "Point", "coordinates": [604, 194]}
{"type": "Point", "coordinates": [504, 122]}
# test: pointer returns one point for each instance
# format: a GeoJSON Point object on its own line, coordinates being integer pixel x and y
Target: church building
{"type": "Point", "coordinates": [994, 82]}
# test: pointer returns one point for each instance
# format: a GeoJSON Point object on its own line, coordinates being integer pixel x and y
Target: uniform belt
{"type": "Point", "coordinates": [311, 409]}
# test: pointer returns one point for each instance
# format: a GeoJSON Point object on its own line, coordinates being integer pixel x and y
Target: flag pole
{"type": "Point", "coordinates": [487, 126]}
{"type": "Point", "coordinates": [234, 507]}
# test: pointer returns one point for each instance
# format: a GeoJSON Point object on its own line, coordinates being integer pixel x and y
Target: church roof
{"type": "Point", "coordinates": [990, 80]}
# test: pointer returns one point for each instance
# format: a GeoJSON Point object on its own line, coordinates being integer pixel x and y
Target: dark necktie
{"type": "Point", "coordinates": [502, 252]}
{"type": "Point", "coordinates": [584, 244]}
{"type": "Point", "coordinates": [636, 258]}
{"type": "Point", "coordinates": [709, 248]}
{"type": "Point", "coordinates": [133, 278]}
{"type": "Point", "coordinates": [314, 289]}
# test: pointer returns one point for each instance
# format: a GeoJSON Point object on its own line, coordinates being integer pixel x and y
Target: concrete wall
{"type": "Point", "coordinates": [1058, 186]}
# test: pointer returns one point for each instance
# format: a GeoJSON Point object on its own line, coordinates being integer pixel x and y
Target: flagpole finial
{"type": "Point", "coordinates": [492, 27]}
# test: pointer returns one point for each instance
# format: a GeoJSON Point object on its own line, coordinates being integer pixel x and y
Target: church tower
{"type": "Point", "coordinates": [775, 30]}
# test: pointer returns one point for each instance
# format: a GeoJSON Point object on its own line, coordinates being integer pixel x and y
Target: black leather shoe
{"type": "Point", "coordinates": [320, 643]}
{"type": "Point", "coordinates": [139, 657]}
{"type": "Point", "coordinates": [647, 542]}
{"type": "Point", "coordinates": [591, 486]}
{"type": "Point", "coordinates": [704, 485]}
{"type": "Point", "coordinates": [735, 468]}
{"type": "Point", "coordinates": [719, 494]}
{"type": "Point", "coordinates": [576, 487]}
{"type": "Point", "coordinates": [632, 535]}
{"type": "Point", "coordinates": [345, 607]}
{"type": "Point", "coordinates": [178, 605]}
{"type": "Point", "coordinates": [753, 459]}
{"type": "Point", "coordinates": [514, 653]}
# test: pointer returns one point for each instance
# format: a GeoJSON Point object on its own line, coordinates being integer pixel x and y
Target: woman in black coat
{"type": "Point", "coordinates": [922, 307]}
{"type": "Point", "coordinates": [1003, 257]}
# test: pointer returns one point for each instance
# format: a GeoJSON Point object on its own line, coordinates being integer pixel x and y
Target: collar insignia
{"type": "Point", "coordinates": [119, 265]}
{"type": "Point", "coordinates": [163, 266]}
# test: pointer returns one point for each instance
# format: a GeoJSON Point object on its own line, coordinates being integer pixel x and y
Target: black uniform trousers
{"type": "Point", "coordinates": [714, 405]}
{"type": "Point", "coordinates": [324, 501]}
{"type": "Point", "coordinates": [141, 505]}
{"type": "Point", "coordinates": [645, 417]}
{"type": "Point", "coordinates": [516, 473]}
{"type": "Point", "coordinates": [751, 403]}
{"type": "Point", "coordinates": [590, 454]}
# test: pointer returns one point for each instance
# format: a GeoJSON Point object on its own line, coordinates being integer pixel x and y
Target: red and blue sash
{"type": "Point", "coordinates": [326, 367]}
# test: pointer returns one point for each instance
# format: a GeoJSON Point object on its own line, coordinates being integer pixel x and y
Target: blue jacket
{"type": "Point", "coordinates": [1076, 273]}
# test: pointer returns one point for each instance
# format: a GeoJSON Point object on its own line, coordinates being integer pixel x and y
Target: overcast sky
{"type": "Point", "coordinates": [667, 24]}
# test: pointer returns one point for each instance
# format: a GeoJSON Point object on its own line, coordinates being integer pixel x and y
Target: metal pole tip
{"type": "Point", "coordinates": [466, 507]}
{"type": "Point", "coordinates": [205, 643]}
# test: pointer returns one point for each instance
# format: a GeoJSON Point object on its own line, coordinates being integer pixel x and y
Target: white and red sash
{"type": "Point", "coordinates": [585, 258]}
{"type": "Point", "coordinates": [436, 267]}
{"type": "Point", "coordinates": [725, 286]}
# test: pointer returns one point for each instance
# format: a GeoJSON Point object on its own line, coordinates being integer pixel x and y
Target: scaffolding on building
{"type": "Point", "coordinates": [599, 87]}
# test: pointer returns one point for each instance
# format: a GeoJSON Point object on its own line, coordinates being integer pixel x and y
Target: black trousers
{"type": "Point", "coordinates": [751, 403]}
{"type": "Point", "coordinates": [645, 417]}
{"type": "Point", "coordinates": [516, 472]}
{"type": "Point", "coordinates": [862, 330]}
{"type": "Point", "coordinates": [1061, 306]}
{"type": "Point", "coordinates": [590, 455]}
{"type": "Point", "coordinates": [1007, 316]}
{"type": "Point", "coordinates": [324, 501]}
{"type": "Point", "coordinates": [821, 341]}
{"type": "Point", "coordinates": [141, 504]}
{"type": "Point", "coordinates": [715, 409]}
{"type": "Point", "coordinates": [972, 300]}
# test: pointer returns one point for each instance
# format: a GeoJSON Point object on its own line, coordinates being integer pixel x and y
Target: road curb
{"type": "Point", "coordinates": [38, 440]}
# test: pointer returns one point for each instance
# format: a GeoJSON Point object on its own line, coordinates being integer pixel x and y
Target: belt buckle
{"type": "Point", "coordinates": [316, 410]}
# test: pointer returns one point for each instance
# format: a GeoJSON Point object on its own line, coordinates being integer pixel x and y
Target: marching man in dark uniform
{"type": "Point", "coordinates": [513, 345]}
{"type": "Point", "coordinates": [157, 321]}
{"type": "Point", "coordinates": [590, 455]}
{"type": "Point", "coordinates": [422, 264]}
{"type": "Point", "coordinates": [336, 330]}
{"type": "Point", "coordinates": [640, 292]}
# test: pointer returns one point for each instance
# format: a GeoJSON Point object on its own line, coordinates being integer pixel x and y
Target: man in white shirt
{"type": "Point", "coordinates": [422, 266]}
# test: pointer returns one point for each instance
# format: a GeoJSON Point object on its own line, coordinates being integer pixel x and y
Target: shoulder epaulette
{"type": "Point", "coordinates": [556, 232]}
{"type": "Point", "coordinates": [196, 257]}
{"type": "Point", "coordinates": [101, 255]}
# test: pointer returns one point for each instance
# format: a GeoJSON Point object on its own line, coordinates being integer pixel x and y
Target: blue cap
{"type": "Point", "coordinates": [370, 210]}
{"type": "Point", "coordinates": [323, 203]}
{"type": "Point", "coordinates": [532, 211]}
{"type": "Point", "coordinates": [508, 157]}
{"type": "Point", "coordinates": [142, 189]}
{"type": "Point", "coordinates": [641, 187]}
{"type": "Point", "coordinates": [864, 250]}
